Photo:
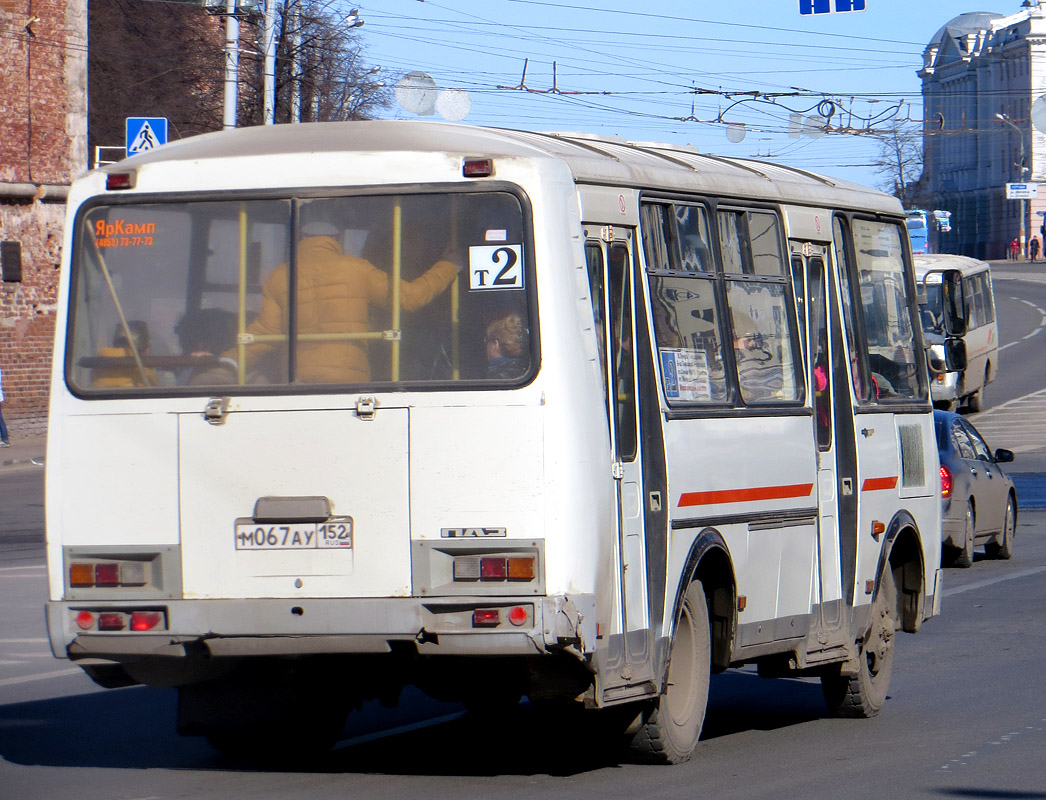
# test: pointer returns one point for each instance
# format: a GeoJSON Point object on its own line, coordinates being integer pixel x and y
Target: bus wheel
{"type": "Point", "coordinates": [671, 727]}
{"type": "Point", "coordinates": [975, 401]}
{"type": "Point", "coordinates": [863, 694]}
{"type": "Point", "coordinates": [1002, 547]}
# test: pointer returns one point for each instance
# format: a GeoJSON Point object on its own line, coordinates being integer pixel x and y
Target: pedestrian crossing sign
{"type": "Point", "coordinates": [145, 133]}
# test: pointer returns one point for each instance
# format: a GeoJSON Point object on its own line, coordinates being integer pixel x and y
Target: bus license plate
{"type": "Point", "coordinates": [294, 535]}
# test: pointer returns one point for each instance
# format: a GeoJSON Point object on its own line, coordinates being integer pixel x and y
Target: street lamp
{"type": "Point", "coordinates": [1024, 171]}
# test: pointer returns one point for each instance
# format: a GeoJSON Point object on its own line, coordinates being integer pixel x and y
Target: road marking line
{"type": "Point", "coordinates": [39, 567]}
{"type": "Point", "coordinates": [990, 581]}
{"type": "Point", "coordinates": [42, 677]}
{"type": "Point", "coordinates": [39, 640]}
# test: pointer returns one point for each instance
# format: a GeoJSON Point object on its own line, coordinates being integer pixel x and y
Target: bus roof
{"type": "Point", "coordinates": [605, 160]}
{"type": "Point", "coordinates": [924, 262]}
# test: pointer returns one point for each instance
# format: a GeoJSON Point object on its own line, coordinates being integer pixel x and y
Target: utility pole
{"type": "Point", "coordinates": [232, 64]}
{"type": "Point", "coordinates": [270, 62]}
{"type": "Point", "coordinates": [1024, 170]}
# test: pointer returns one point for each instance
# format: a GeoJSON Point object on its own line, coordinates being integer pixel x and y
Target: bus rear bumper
{"type": "Point", "coordinates": [287, 627]}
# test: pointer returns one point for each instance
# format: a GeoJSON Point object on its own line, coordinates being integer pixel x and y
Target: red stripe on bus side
{"type": "Point", "coordinates": [745, 495]}
{"type": "Point", "coordinates": [875, 484]}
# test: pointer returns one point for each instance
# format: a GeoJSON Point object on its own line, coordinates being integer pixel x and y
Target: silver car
{"type": "Point", "coordinates": [978, 501]}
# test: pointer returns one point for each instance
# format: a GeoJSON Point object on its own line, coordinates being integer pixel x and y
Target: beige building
{"type": "Point", "coordinates": [981, 76]}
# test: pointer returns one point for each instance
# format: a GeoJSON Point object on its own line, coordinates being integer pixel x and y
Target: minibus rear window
{"type": "Point", "coordinates": [301, 291]}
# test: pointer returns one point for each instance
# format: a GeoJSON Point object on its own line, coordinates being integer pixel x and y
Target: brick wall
{"type": "Point", "coordinates": [43, 146]}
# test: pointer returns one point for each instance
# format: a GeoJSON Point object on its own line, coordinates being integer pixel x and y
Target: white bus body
{"type": "Point", "coordinates": [950, 390]}
{"type": "Point", "coordinates": [281, 538]}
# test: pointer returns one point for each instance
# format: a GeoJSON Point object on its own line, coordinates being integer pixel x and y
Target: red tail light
{"type": "Point", "coordinates": [493, 568]}
{"type": "Point", "coordinates": [146, 620]}
{"type": "Point", "coordinates": [486, 617]}
{"type": "Point", "coordinates": [946, 481]}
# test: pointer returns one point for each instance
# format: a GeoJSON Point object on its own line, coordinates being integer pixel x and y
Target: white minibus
{"type": "Point", "coordinates": [341, 408]}
{"type": "Point", "coordinates": [962, 388]}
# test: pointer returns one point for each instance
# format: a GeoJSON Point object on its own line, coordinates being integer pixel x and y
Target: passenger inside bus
{"type": "Point", "coordinates": [125, 375]}
{"type": "Point", "coordinates": [335, 292]}
{"type": "Point", "coordinates": [507, 342]}
{"type": "Point", "coordinates": [204, 334]}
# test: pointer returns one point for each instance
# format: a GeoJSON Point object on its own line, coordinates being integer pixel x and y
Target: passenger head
{"type": "Point", "coordinates": [206, 330]}
{"type": "Point", "coordinates": [318, 227]}
{"type": "Point", "coordinates": [506, 337]}
{"type": "Point", "coordinates": [139, 333]}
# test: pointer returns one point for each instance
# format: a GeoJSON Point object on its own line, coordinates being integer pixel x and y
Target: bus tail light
{"type": "Point", "coordinates": [946, 481]}
{"type": "Point", "coordinates": [492, 617]}
{"type": "Point", "coordinates": [486, 617]}
{"type": "Point", "coordinates": [111, 620]}
{"type": "Point", "coordinates": [147, 621]}
{"type": "Point", "coordinates": [107, 574]}
{"type": "Point", "coordinates": [495, 569]}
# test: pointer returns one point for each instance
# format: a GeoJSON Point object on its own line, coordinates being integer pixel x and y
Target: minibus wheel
{"type": "Point", "coordinates": [863, 694]}
{"type": "Point", "coordinates": [670, 729]}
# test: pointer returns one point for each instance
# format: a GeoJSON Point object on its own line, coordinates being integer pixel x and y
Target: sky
{"type": "Point", "coordinates": [730, 77]}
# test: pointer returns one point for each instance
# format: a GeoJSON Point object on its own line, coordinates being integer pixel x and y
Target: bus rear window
{"type": "Point", "coordinates": [415, 289]}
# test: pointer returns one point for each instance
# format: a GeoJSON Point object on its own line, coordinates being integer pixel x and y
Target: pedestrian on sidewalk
{"type": "Point", "coordinates": [1014, 249]}
{"type": "Point", "coordinates": [1033, 246]}
{"type": "Point", "coordinates": [4, 442]}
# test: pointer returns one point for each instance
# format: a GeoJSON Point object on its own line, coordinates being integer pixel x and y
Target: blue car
{"type": "Point", "coordinates": [978, 501]}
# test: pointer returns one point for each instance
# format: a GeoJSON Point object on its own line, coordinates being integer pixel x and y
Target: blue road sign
{"type": "Point", "coordinates": [829, 6]}
{"type": "Point", "coordinates": [145, 133]}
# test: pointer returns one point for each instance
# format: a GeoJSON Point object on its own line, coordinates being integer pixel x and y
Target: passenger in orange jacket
{"type": "Point", "coordinates": [334, 295]}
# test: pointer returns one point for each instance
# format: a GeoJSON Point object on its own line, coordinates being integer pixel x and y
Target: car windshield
{"type": "Point", "coordinates": [413, 289]}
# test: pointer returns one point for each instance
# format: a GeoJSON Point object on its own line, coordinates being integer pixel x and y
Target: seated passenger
{"type": "Point", "coordinates": [508, 347]}
{"type": "Point", "coordinates": [131, 375]}
{"type": "Point", "coordinates": [204, 333]}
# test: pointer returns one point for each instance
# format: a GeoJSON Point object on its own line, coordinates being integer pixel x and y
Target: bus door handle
{"type": "Point", "coordinates": [617, 470]}
{"type": "Point", "coordinates": [846, 487]}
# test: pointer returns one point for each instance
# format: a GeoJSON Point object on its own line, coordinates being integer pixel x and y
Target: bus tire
{"type": "Point", "coordinates": [863, 695]}
{"type": "Point", "coordinates": [671, 727]}
{"type": "Point", "coordinates": [1002, 547]}
{"type": "Point", "coordinates": [975, 401]}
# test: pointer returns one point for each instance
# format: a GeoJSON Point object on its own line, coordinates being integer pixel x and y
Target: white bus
{"type": "Point", "coordinates": [343, 408]}
{"type": "Point", "coordinates": [960, 388]}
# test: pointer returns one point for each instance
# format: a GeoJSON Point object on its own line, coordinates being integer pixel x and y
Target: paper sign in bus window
{"type": "Point", "coordinates": [496, 267]}
{"type": "Point", "coordinates": [685, 374]}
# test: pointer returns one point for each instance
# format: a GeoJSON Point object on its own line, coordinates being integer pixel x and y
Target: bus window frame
{"type": "Point", "coordinates": [293, 195]}
{"type": "Point", "coordinates": [854, 325]}
{"type": "Point", "coordinates": [733, 402]}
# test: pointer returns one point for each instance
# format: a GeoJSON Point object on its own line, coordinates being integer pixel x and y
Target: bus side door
{"type": "Point", "coordinates": [611, 278]}
{"type": "Point", "coordinates": [835, 457]}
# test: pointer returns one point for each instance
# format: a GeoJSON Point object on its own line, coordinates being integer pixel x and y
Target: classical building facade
{"type": "Point", "coordinates": [981, 77]}
{"type": "Point", "coordinates": [43, 146]}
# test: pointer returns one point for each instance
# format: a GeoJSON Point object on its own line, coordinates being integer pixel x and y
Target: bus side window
{"type": "Point", "coordinates": [757, 292]}
{"type": "Point", "coordinates": [684, 303]}
{"type": "Point", "coordinates": [887, 363]}
{"type": "Point", "coordinates": [594, 264]}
